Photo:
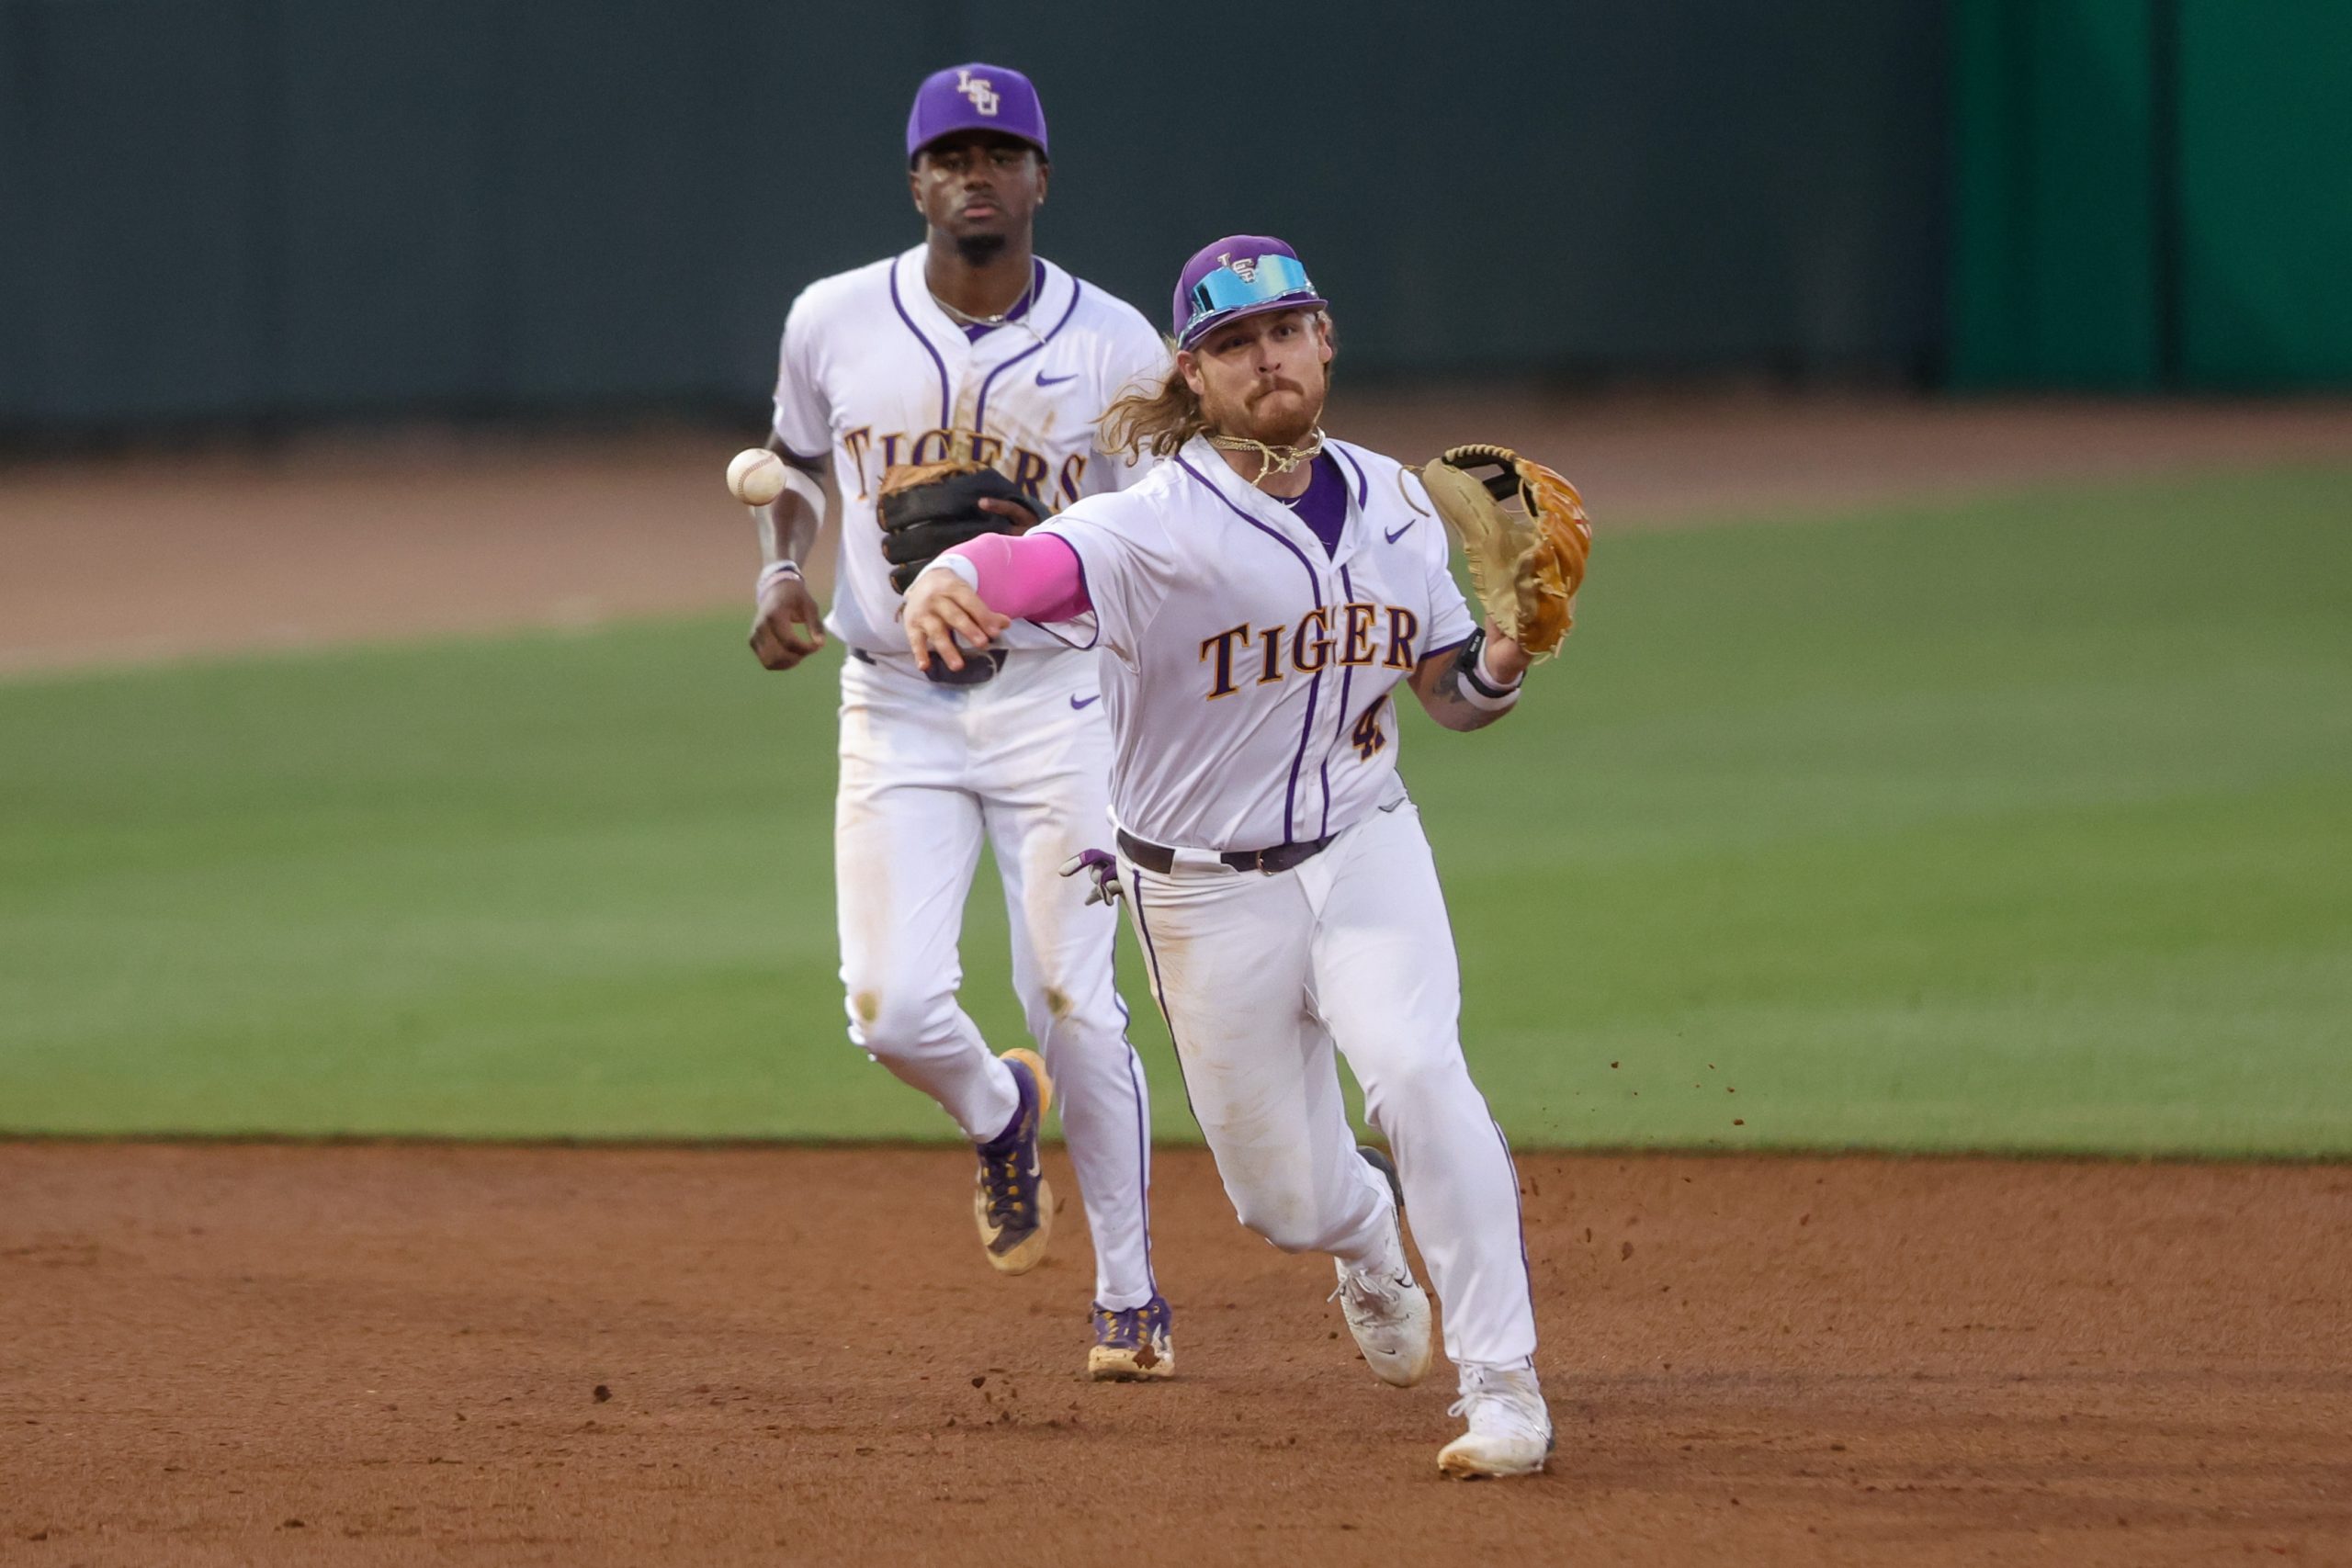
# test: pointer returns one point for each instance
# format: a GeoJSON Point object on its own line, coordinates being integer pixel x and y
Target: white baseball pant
{"type": "Point", "coordinates": [1260, 977]}
{"type": "Point", "coordinates": [925, 770]}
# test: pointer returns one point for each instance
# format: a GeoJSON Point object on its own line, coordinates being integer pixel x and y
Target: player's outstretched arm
{"type": "Point", "coordinates": [1471, 686]}
{"type": "Point", "coordinates": [946, 618]}
{"type": "Point", "coordinates": [996, 579]}
{"type": "Point", "coordinates": [787, 627]}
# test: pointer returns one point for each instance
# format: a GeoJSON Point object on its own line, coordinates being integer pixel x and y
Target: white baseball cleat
{"type": "Point", "coordinates": [1389, 1315]}
{"type": "Point", "coordinates": [1511, 1430]}
{"type": "Point", "coordinates": [1386, 1309]}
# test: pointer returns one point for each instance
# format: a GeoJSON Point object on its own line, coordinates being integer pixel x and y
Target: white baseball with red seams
{"type": "Point", "coordinates": [873, 372]}
{"type": "Point", "coordinates": [755, 477]}
{"type": "Point", "coordinates": [1249, 673]}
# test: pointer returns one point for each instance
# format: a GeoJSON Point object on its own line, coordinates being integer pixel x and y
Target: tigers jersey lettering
{"type": "Point", "coordinates": [1270, 668]}
{"type": "Point", "coordinates": [874, 373]}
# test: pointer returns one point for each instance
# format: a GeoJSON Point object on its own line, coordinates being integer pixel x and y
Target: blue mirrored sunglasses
{"type": "Point", "coordinates": [1224, 289]}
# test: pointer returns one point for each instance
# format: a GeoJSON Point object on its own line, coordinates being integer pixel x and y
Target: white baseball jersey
{"type": "Point", "coordinates": [1248, 671]}
{"type": "Point", "coordinates": [873, 371]}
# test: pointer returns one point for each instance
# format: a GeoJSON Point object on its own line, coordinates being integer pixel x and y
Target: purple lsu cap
{"type": "Point", "coordinates": [976, 97]}
{"type": "Point", "coordinates": [1241, 275]}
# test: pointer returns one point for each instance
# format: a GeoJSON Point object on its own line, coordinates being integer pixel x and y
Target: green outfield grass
{"type": "Point", "coordinates": [2022, 824]}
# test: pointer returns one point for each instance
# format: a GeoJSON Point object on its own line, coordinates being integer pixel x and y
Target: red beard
{"type": "Point", "coordinates": [1278, 416]}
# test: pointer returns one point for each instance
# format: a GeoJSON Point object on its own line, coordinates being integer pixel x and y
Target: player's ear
{"type": "Point", "coordinates": [914, 183]}
{"type": "Point", "coordinates": [1189, 367]}
{"type": "Point", "coordinates": [1045, 177]}
{"type": "Point", "coordinates": [1330, 335]}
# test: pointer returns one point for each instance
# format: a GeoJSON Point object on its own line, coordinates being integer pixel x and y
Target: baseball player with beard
{"type": "Point", "coordinates": [970, 347]}
{"type": "Point", "coordinates": [1257, 599]}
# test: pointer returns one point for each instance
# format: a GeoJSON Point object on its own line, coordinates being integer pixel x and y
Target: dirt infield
{"type": "Point", "coordinates": [403, 1354]}
{"type": "Point", "coordinates": [395, 534]}
{"type": "Point", "coordinates": [429, 1354]}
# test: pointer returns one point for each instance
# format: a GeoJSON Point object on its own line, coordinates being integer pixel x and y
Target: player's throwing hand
{"type": "Point", "coordinates": [943, 609]}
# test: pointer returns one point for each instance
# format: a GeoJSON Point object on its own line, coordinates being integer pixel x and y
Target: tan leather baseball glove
{"type": "Point", "coordinates": [1525, 563]}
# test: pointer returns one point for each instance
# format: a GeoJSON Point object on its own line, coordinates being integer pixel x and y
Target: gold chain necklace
{"type": "Point", "coordinates": [965, 318]}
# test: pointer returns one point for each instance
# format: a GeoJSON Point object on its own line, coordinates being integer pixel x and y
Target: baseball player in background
{"type": "Point", "coordinates": [970, 351]}
{"type": "Point", "coordinates": [1257, 599]}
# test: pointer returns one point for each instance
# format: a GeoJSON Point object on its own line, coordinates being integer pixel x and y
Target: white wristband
{"type": "Point", "coordinates": [959, 566]}
{"type": "Point", "coordinates": [797, 481]}
{"type": "Point", "coordinates": [1487, 673]}
{"type": "Point", "coordinates": [1482, 691]}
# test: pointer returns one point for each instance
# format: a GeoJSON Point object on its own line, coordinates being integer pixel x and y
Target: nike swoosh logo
{"type": "Point", "coordinates": [1077, 703]}
{"type": "Point", "coordinates": [1045, 380]}
{"type": "Point", "coordinates": [1399, 534]}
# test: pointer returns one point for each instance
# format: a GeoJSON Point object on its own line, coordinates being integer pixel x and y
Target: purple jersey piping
{"type": "Point", "coordinates": [1151, 962]}
{"type": "Point", "coordinates": [946, 393]}
{"type": "Point", "coordinates": [1315, 687]}
{"type": "Point", "coordinates": [1347, 683]}
{"type": "Point", "coordinates": [1021, 307]}
{"type": "Point", "coordinates": [980, 407]}
{"type": "Point", "coordinates": [1519, 1213]}
{"type": "Point", "coordinates": [1364, 485]}
{"type": "Point", "coordinates": [1449, 648]}
{"type": "Point", "coordinates": [1143, 1136]}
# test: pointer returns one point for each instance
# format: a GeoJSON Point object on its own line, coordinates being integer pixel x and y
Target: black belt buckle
{"type": "Point", "coordinates": [978, 670]}
{"type": "Point", "coordinates": [1281, 858]}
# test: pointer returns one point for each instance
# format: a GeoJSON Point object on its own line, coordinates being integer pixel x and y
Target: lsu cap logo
{"type": "Point", "coordinates": [974, 96]}
{"type": "Point", "coordinates": [1238, 275]}
{"type": "Point", "coordinates": [982, 93]}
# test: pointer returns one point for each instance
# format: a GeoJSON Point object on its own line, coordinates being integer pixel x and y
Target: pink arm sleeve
{"type": "Point", "coordinates": [1032, 577]}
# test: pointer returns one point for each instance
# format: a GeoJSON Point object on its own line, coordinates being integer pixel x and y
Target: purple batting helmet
{"type": "Point", "coordinates": [1241, 275]}
{"type": "Point", "coordinates": [976, 97]}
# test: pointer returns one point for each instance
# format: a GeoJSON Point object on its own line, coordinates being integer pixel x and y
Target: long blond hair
{"type": "Point", "coordinates": [1158, 419]}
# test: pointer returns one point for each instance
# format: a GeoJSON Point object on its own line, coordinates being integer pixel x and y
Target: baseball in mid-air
{"type": "Point", "coordinates": [756, 477]}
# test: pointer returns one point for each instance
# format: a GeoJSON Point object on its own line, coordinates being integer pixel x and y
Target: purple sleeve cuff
{"type": "Point", "coordinates": [1446, 648]}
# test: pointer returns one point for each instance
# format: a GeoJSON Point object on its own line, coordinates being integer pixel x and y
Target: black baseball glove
{"type": "Point", "coordinates": [929, 507]}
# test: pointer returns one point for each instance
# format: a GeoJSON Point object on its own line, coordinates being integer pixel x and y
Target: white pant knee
{"type": "Point", "coordinates": [896, 1022]}
{"type": "Point", "coordinates": [923, 1038]}
{"type": "Point", "coordinates": [1286, 1218]}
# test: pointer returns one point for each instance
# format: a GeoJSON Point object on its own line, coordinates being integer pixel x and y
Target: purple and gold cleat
{"type": "Point", "coordinates": [1136, 1344]}
{"type": "Point", "coordinates": [1012, 1204]}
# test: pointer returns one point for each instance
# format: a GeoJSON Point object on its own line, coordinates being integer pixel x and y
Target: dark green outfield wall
{"type": "Point", "coordinates": [2153, 194]}
{"type": "Point", "coordinates": [246, 210]}
{"type": "Point", "coordinates": [235, 209]}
